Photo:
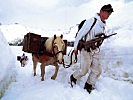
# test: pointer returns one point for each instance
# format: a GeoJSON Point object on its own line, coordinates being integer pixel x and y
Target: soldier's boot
{"type": "Point", "coordinates": [72, 80]}
{"type": "Point", "coordinates": [88, 87]}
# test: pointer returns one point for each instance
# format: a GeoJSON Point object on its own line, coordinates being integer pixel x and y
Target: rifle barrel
{"type": "Point", "coordinates": [112, 34]}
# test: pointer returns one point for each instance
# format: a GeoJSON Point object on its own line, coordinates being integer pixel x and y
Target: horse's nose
{"type": "Point", "coordinates": [60, 61]}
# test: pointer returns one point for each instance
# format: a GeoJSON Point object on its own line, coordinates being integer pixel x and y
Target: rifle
{"type": "Point", "coordinates": [94, 43]}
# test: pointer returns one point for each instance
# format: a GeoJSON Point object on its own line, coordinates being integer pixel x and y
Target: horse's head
{"type": "Point", "coordinates": [58, 48]}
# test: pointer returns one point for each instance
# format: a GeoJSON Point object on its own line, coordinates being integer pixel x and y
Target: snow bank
{"type": "Point", "coordinates": [7, 65]}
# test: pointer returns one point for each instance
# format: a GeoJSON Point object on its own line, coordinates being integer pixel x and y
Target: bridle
{"type": "Point", "coordinates": [53, 49]}
{"type": "Point", "coordinates": [56, 53]}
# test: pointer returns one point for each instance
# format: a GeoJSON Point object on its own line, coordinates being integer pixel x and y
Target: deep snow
{"type": "Point", "coordinates": [28, 87]}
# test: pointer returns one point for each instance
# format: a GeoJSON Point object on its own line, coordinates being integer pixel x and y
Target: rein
{"type": "Point", "coordinates": [75, 61]}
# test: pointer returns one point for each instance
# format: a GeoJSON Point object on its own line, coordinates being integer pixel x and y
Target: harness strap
{"type": "Point", "coordinates": [90, 28]}
{"type": "Point", "coordinates": [58, 53]}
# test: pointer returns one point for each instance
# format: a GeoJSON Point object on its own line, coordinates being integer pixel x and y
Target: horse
{"type": "Point", "coordinates": [53, 55]}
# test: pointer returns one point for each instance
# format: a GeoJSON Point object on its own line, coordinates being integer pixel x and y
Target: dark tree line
{"type": "Point", "coordinates": [19, 42]}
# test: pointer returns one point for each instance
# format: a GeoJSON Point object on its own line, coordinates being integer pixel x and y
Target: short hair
{"type": "Point", "coordinates": [107, 8]}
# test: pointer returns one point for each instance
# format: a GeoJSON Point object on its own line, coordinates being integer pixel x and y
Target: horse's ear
{"type": "Point", "coordinates": [54, 37]}
{"type": "Point", "coordinates": [61, 36]}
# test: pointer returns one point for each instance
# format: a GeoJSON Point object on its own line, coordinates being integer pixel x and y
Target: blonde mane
{"type": "Point", "coordinates": [48, 44]}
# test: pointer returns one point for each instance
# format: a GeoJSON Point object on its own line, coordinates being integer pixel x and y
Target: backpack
{"type": "Point", "coordinates": [80, 26]}
{"type": "Point", "coordinates": [82, 23]}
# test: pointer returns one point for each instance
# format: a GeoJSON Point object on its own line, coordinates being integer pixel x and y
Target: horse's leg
{"type": "Point", "coordinates": [34, 67]}
{"type": "Point", "coordinates": [56, 71]}
{"type": "Point", "coordinates": [42, 66]}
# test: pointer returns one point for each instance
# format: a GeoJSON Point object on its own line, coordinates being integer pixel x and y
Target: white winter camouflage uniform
{"type": "Point", "coordinates": [89, 60]}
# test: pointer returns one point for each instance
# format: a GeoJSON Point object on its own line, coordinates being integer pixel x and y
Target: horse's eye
{"type": "Point", "coordinates": [55, 45]}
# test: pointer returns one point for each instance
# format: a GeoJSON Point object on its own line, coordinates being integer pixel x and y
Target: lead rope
{"type": "Point", "coordinates": [75, 60]}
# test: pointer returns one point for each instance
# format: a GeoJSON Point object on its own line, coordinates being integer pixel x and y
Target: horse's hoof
{"type": "Point", "coordinates": [42, 79]}
{"type": "Point", "coordinates": [52, 78]}
{"type": "Point", "coordinates": [34, 74]}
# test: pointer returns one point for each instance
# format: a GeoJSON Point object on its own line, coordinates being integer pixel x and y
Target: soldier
{"type": "Point", "coordinates": [90, 58]}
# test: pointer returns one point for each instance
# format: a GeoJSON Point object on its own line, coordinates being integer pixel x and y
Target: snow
{"type": "Point", "coordinates": [28, 87]}
{"type": "Point", "coordinates": [115, 82]}
{"type": "Point", "coordinates": [7, 65]}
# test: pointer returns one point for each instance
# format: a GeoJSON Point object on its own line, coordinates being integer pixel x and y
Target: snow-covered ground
{"type": "Point", "coordinates": [7, 65]}
{"type": "Point", "coordinates": [28, 87]}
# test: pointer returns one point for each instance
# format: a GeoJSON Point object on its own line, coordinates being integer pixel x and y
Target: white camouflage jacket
{"type": "Point", "coordinates": [98, 28]}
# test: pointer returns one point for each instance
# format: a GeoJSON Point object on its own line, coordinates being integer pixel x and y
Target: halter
{"type": "Point", "coordinates": [55, 54]}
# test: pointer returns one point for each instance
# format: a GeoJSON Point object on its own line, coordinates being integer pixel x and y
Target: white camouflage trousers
{"type": "Point", "coordinates": [89, 61]}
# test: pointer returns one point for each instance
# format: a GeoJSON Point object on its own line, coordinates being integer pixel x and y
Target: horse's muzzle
{"type": "Point", "coordinates": [60, 61]}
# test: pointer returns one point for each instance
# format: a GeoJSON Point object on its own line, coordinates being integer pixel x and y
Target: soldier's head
{"type": "Point", "coordinates": [106, 11]}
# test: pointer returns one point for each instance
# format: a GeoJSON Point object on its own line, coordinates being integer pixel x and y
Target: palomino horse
{"type": "Point", "coordinates": [53, 55]}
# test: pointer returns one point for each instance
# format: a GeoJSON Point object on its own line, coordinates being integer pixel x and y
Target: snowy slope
{"type": "Point", "coordinates": [28, 87]}
{"type": "Point", "coordinates": [7, 65]}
